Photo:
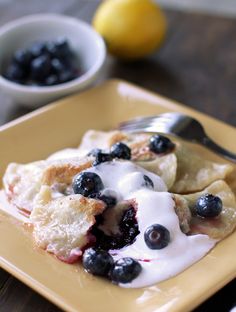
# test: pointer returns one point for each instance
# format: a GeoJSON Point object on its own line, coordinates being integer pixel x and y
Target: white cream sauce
{"type": "Point", "coordinates": [153, 207]}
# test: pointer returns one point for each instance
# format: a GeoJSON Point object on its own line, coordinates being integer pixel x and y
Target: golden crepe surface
{"type": "Point", "coordinates": [61, 225]}
{"type": "Point", "coordinates": [22, 182]}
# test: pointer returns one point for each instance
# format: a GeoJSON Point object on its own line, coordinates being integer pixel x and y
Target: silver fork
{"type": "Point", "coordinates": [176, 124]}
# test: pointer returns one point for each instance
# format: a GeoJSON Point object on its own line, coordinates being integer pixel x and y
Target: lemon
{"type": "Point", "coordinates": [131, 28]}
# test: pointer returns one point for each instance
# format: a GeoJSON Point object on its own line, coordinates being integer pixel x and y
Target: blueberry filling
{"type": "Point", "coordinates": [160, 144]}
{"type": "Point", "coordinates": [125, 270]}
{"type": "Point", "coordinates": [87, 184]}
{"type": "Point", "coordinates": [128, 228]}
{"type": "Point", "coordinates": [208, 206]}
{"type": "Point", "coordinates": [157, 236]}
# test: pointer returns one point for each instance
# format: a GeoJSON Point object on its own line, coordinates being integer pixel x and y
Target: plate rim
{"type": "Point", "coordinates": [112, 82]}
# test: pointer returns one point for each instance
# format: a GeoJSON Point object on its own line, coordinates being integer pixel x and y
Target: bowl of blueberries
{"type": "Point", "coordinates": [44, 57]}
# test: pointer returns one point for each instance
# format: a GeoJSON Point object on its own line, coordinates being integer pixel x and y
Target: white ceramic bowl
{"type": "Point", "coordinates": [21, 33]}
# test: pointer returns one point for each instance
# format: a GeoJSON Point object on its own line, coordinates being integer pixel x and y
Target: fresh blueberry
{"type": "Point", "coordinates": [97, 262]}
{"type": "Point", "coordinates": [108, 196]}
{"type": "Point", "coordinates": [71, 63]}
{"type": "Point", "coordinates": [102, 157]}
{"type": "Point", "coordinates": [38, 49]}
{"type": "Point", "coordinates": [125, 270]}
{"type": "Point", "coordinates": [110, 201]}
{"type": "Point", "coordinates": [87, 184]}
{"type": "Point", "coordinates": [61, 48]}
{"type": "Point", "coordinates": [51, 80]}
{"type": "Point", "coordinates": [67, 75]}
{"type": "Point", "coordinates": [23, 58]}
{"type": "Point", "coordinates": [160, 144]}
{"type": "Point", "coordinates": [40, 68]}
{"type": "Point", "coordinates": [14, 72]}
{"type": "Point", "coordinates": [44, 63]}
{"type": "Point", "coordinates": [51, 48]}
{"type": "Point", "coordinates": [121, 150]}
{"type": "Point", "coordinates": [148, 182]}
{"type": "Point", "coordinates": [157, 236]}
{"type": "Point", "coordinates": [94, 152]}
{"type": "Point", "coordinates": [208, 206]}
{"type": "Point", "coordinates": [57, 66]}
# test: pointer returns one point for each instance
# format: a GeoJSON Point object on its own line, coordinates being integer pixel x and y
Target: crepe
{"type": "Point", "coordinates": [194, 173]}
{"type": "Point", "coordinates": [23, 182]}
{"type": "Point", "coordinates": [182, 169]}
{"type": "Point", "coordinates": [61, 225]}
{"type": "Point", "coordinates": [62, 220]}
{"type": "Point", "coordinates": [218, 227]}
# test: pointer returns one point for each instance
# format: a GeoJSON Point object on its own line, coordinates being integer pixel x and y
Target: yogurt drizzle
{"type": "Point", "coordinates": [154, 206]}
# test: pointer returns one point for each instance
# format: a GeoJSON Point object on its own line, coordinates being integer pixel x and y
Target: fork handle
{"type": "Point", "coordinates": [209, 143]}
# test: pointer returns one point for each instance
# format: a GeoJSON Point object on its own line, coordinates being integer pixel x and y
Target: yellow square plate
{"type": "Point", "coordinates": [61, 125]}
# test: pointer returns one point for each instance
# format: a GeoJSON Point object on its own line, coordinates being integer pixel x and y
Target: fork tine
{"type": "Point", "coordinates": [160, 118]}
{"type": "Point", "coordinates": [140, 121]}
{"type": "Point", "coordinates": [156, 125]}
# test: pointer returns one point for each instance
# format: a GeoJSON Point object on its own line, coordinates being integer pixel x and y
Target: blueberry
{"type": "Point", "coordinates": [38, 49]}
{"type": "Point", "coordinates": [51, 80]}
{"type": "Point", "coordinates": [148, 182]}
{"type": "Point", "coordinates": [157, 236]}
{"type": "Point", "coordinates": [97, 262]}
{"type": "Point", "coordinates": [60, 48]}
{"type": "Point", "coordinates": [128, 230]}
{"type": "Point", "coordinates": [23, 58]}
{"type": "Point", "coordinates": [40, 68]}
{"type": "Point", "coordinates": [71, 63]}
{"type": "Point", "coordinates": [14, 72]}
{"type": "Point", "coordinates": [102, 157]}
{"type": "Point", "coordinates": [94, 152]}
{"type": "Point", "coordinates": [121, 150]}
{"type": "Point", "coordinates": [51, 48]}
{"type": "Point", "coordinates": [208, 206]}
{"type": "Point", "coordinates": [67, 75]}
{"type": "Point", "coordinates": [57, 66]}
{"type": "Point", "coordinates": [128, 225]}
{"type": "Point", "coordinates": [125, 270]}
{"type": "Point", "coordinates": [110, 201]}
{"type": "Point", "coordinates": [87, 184]}
{"type": "Point", "coordinates": [160, 144]}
